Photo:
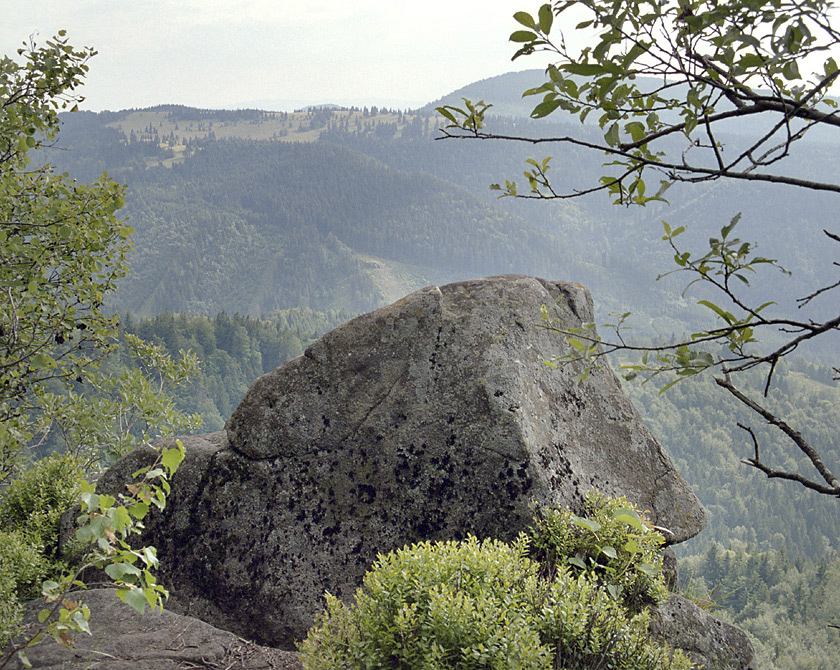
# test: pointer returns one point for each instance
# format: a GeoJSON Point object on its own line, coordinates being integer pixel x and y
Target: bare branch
{"type": "Point", "coordinates": [804, 301]}
{"type": "Point", "coordinates": [833, 487]}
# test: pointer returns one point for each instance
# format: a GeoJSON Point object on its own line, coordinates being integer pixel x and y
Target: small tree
{"type": "Point", "coordinates": [62, 250]}
{"type": "Point", "coordinates": [661, 79]}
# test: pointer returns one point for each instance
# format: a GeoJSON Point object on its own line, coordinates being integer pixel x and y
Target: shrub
{"type": "Point", "coordinates": [34, 501]}
{"type": "Point", "coordinates": [610, 543]}
{"type": "Point", "coordinates": [30, 510]}
{"type": "Point", "coordinates": [474, 605]}
{"type": "Point", "coordinates": [22, 569]}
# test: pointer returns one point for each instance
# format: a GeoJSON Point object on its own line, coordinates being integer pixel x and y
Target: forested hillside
{"type": "Point", "coordinates": [788, 606]}
{"type": "Point", "coordinates": [257, 226]}
{"type": "Point", "coordinates": [280, 220]}
{"type": "Point", "coordinates": [702, 436]}
{"type": "Point", "coordinates": [233, 350]}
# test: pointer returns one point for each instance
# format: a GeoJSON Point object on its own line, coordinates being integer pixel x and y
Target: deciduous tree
{"type": "Point", "coordinates": [62, 247]}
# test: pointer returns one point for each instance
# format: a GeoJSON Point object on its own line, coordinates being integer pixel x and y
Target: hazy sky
{"type": "Point", "coordinates": [214, 53]}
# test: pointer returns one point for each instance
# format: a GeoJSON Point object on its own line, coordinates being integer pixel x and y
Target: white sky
{"type": "Point", "coordinates": [217, 53]}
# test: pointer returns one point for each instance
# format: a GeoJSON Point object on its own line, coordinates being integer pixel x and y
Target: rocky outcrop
{"type": "Point", "coordinates": [710, 643]}
{"type": "Point", "coordinates": [431, 418]}
{"type": "Point", "coordinates": [123, 640]}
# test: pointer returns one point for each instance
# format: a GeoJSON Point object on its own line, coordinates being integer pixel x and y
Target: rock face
{"type": "Point", "coordinates": [123, 640]}
{"type": "Point", "coordinates": [710, 643]}
{"type": "Point", "coordinates": [431, 418]}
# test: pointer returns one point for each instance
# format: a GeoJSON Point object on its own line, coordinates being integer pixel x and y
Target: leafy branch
{"type": "Point", "coordinates": [106, 526]}
{"type": "Point", "coordinates": [663, 77]}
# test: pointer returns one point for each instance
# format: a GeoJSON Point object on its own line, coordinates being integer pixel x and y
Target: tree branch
{"type": "Point", "coordinates": [833, 487]}
{"type": "Point", "coordinates": [675, 170]}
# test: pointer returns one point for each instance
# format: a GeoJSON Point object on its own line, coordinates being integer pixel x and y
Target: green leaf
{"type": "Point", "coordinates": [791, 71]}
{"type": "Point", "coordinates": [546, 19]}
{"type": "Point", "coordinates": [611, 136]}
{"type": "Point", "coordinates": [526, 20]}
{"type": "Point", "coordinates": [119, 571]}
{"type": "Point", "coordinates": [79, 620]}
{"type": "Point", "coordinates": [151, 596]}
{"type": "Point", "coordinates": [139, 510]}
{"type": "Point", "coordinates": [610, 552]}
{"type": "Point", "coordinates": [576, 344]}
{"type": "Point", "coordinates": [583, 69]}
{"type": "Point", "coordinates": [722, 313]}
{"type": "Point", "coordinates": [636, 130]}
{"type": "Point", "coordinates": [750, 61]}
{"type": "Point", "coordinates": [523, 36]}
{"type": "Point", "coordinates": [172, 458]}
{"type": "Point", "coordinates": [545, 108]}
{"type": "Point", "coordinates": [589, 524]}
{"type": "Point", "coordinates": [575, 561]}
{"type": "Point", "coordinates": [133, 597]}
{"type": "Point", "coordinates": [43, 361]}
{"type": "Point", "coordinates": [49, 587]}
{"type": "Point", "coordinates": [629, 517]}
{"type": "Point", "coordinates": [649, 569]}
{"type": "Point", "coordinates": [444, 112]}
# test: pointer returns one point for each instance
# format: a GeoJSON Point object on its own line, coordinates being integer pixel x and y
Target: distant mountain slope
{"type": "Point", "coordinates": [253, 227]}
{"type": "Point", "coordinates": [376, 228]}
{"type": "Point", "coordinates": [504, 92]}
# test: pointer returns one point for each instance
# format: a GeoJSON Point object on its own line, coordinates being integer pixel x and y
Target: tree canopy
{"type": "Point", "coordinates": [62, 247]}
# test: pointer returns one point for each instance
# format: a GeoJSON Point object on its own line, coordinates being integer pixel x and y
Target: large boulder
{"type": "Point", "coordinates": [431, 418]}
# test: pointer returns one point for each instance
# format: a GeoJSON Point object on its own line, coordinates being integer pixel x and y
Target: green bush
{"type": "Point", "coordinates": [22, 569]}
{"type": "Point", "coordinates": [34, 502]}
{"type": "Point", "coordinates": [610, 543]}
{"type": "Point", "coordinates": [474, 605]}
{"type": "Point", "coordinates": [30, 510]}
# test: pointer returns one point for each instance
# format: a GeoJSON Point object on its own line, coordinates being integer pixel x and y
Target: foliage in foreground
{"type": "Point", "coordinates": [610, 543]}
{"type": "Point", "coordinates": [30, 563]}
{"type": "Point", "coordinates": [62, 250]}
{"type": "Point", "coordinates": [486, 604]}
{"type": "Point", "coordinates": [665, 80]}
{"type": "Point", "coordinates": [62, 247]}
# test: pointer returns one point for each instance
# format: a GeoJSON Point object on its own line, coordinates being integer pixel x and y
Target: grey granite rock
{"type": "Point", "coordinates": [121, 639]}
{"type": "Point", "coordinates": [710, 643]}
{"type": "Point", "coordinates": [431, 418]}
